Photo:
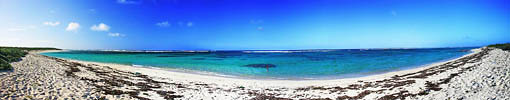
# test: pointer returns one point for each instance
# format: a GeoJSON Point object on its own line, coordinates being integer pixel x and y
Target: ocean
{"type": "Point", "coordinates": [274, 64]}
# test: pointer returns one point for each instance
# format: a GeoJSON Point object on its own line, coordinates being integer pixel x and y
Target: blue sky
{"type": "Point", "coordinates": [253, 24]}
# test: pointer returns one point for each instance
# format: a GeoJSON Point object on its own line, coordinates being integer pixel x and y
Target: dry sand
{"type": "Point", "coordinates": [483, 74]}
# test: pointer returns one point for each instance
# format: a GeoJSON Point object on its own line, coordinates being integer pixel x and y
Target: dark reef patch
{"type": "Point", "coordinates": [198, 59]}
{"type": "Point", "coordinates": [260, 65]}
{"type": "Point", "coordinates": [168, 56]}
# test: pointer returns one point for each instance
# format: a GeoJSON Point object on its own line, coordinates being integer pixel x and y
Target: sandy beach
{"type": "Point", "coordinates": [483, 74]}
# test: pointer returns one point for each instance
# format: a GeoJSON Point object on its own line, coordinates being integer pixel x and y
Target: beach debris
{"type": "Point", "coordinates": [266, 97]}
{"type": "Point", "coordinates": [110, 81]}
{"type": "Point", "coordinates": [241, 87]}
{"type": "Point", "coordinates": [29, 97]}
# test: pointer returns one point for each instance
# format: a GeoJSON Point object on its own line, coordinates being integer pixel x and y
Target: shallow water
{"type": "Point", "coordinates": [293, 64]}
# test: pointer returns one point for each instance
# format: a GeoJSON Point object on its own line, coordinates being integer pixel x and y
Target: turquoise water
{"type": "Point", "coordinates": [293, 64]}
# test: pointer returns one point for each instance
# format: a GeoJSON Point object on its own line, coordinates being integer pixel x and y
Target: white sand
{"type": "Point", "coordinates": [489, 81]}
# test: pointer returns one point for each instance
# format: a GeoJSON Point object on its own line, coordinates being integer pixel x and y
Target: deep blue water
{"type": "Point", "coordinates": [293, 64]}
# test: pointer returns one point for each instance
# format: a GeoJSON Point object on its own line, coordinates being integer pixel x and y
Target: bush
{"type": "Point", "coordinates": [505, 46]}
{"type": "Point", "coordinates": [8, 55]}
{"type": "Point", "coordinates": [3, 58]}
{"type": "Point", "coordinates": [13, 54]}
{"type": "Point", "coordinates": [4, 65]}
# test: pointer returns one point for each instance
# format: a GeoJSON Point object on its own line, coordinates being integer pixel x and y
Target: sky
{"type": "Point", "coordinates": [253, 24]}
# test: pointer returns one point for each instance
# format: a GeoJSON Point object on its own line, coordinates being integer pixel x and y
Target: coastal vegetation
{"type": "Point", "coordinates": [505, 46]}
{"type": "Point", "coordinates": [13, 54]}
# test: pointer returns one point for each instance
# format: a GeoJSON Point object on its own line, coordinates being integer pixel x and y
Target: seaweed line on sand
{"type": "Point", "coordinates": [111, 79]}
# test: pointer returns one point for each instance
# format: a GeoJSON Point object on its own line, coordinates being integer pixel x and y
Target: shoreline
{"type": "Point", "coordinates": [61, 78]}
{"type": "Point", "coordinates": [212, 79]}
{"type": "Point", "coordinates": [363, 75]}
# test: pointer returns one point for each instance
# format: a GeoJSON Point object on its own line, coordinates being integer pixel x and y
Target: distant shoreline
{"type": "Point", "coordinates": [259, 50]}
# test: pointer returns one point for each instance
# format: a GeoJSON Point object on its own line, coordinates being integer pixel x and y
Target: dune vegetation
{"type": "Point", "coordinates": [505, 46]}
{"type": "Point", "coordinates": [13, 54]}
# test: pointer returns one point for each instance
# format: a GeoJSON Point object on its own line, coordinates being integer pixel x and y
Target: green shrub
{"type": "Point", "coordinates": [505, 46]}
{"type": "Point", "coordinates": [13, 54]}
{"type": "Point", "coordinates": [4, 65]}
{"type": "Point", "coordinates": [3, 58]}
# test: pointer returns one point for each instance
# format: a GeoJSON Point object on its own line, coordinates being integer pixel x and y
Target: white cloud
{"type": "Point", "coordinates": [259, 21]}
{"type": "Point", "coordinates": [51, 23]}
{"type": "Point", "coordinates": [92, 10]}
{"type": "Point", "coordinates": [189, 24]}
{"type": "Point", "coordinates": [129, 1]}
{"type": "Point", "coordinates": [22, 41]}
{"type": "Point", "coordinates": [260, 28]}
{"type": "Point", "coordinates": [16, 29]}
{"type": "Point", "coordinates": [116, 34]}
{"type": "Point", "coordinates": [394, 13]}
{"type": "Point", "coordinates": [73, 26]}
{"type": "Point", "coordinates": [163, 24]}
{"type": "Point", "coordinates": [21, 28]}
{"type": "Point", "coordinates": [100, 27]}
